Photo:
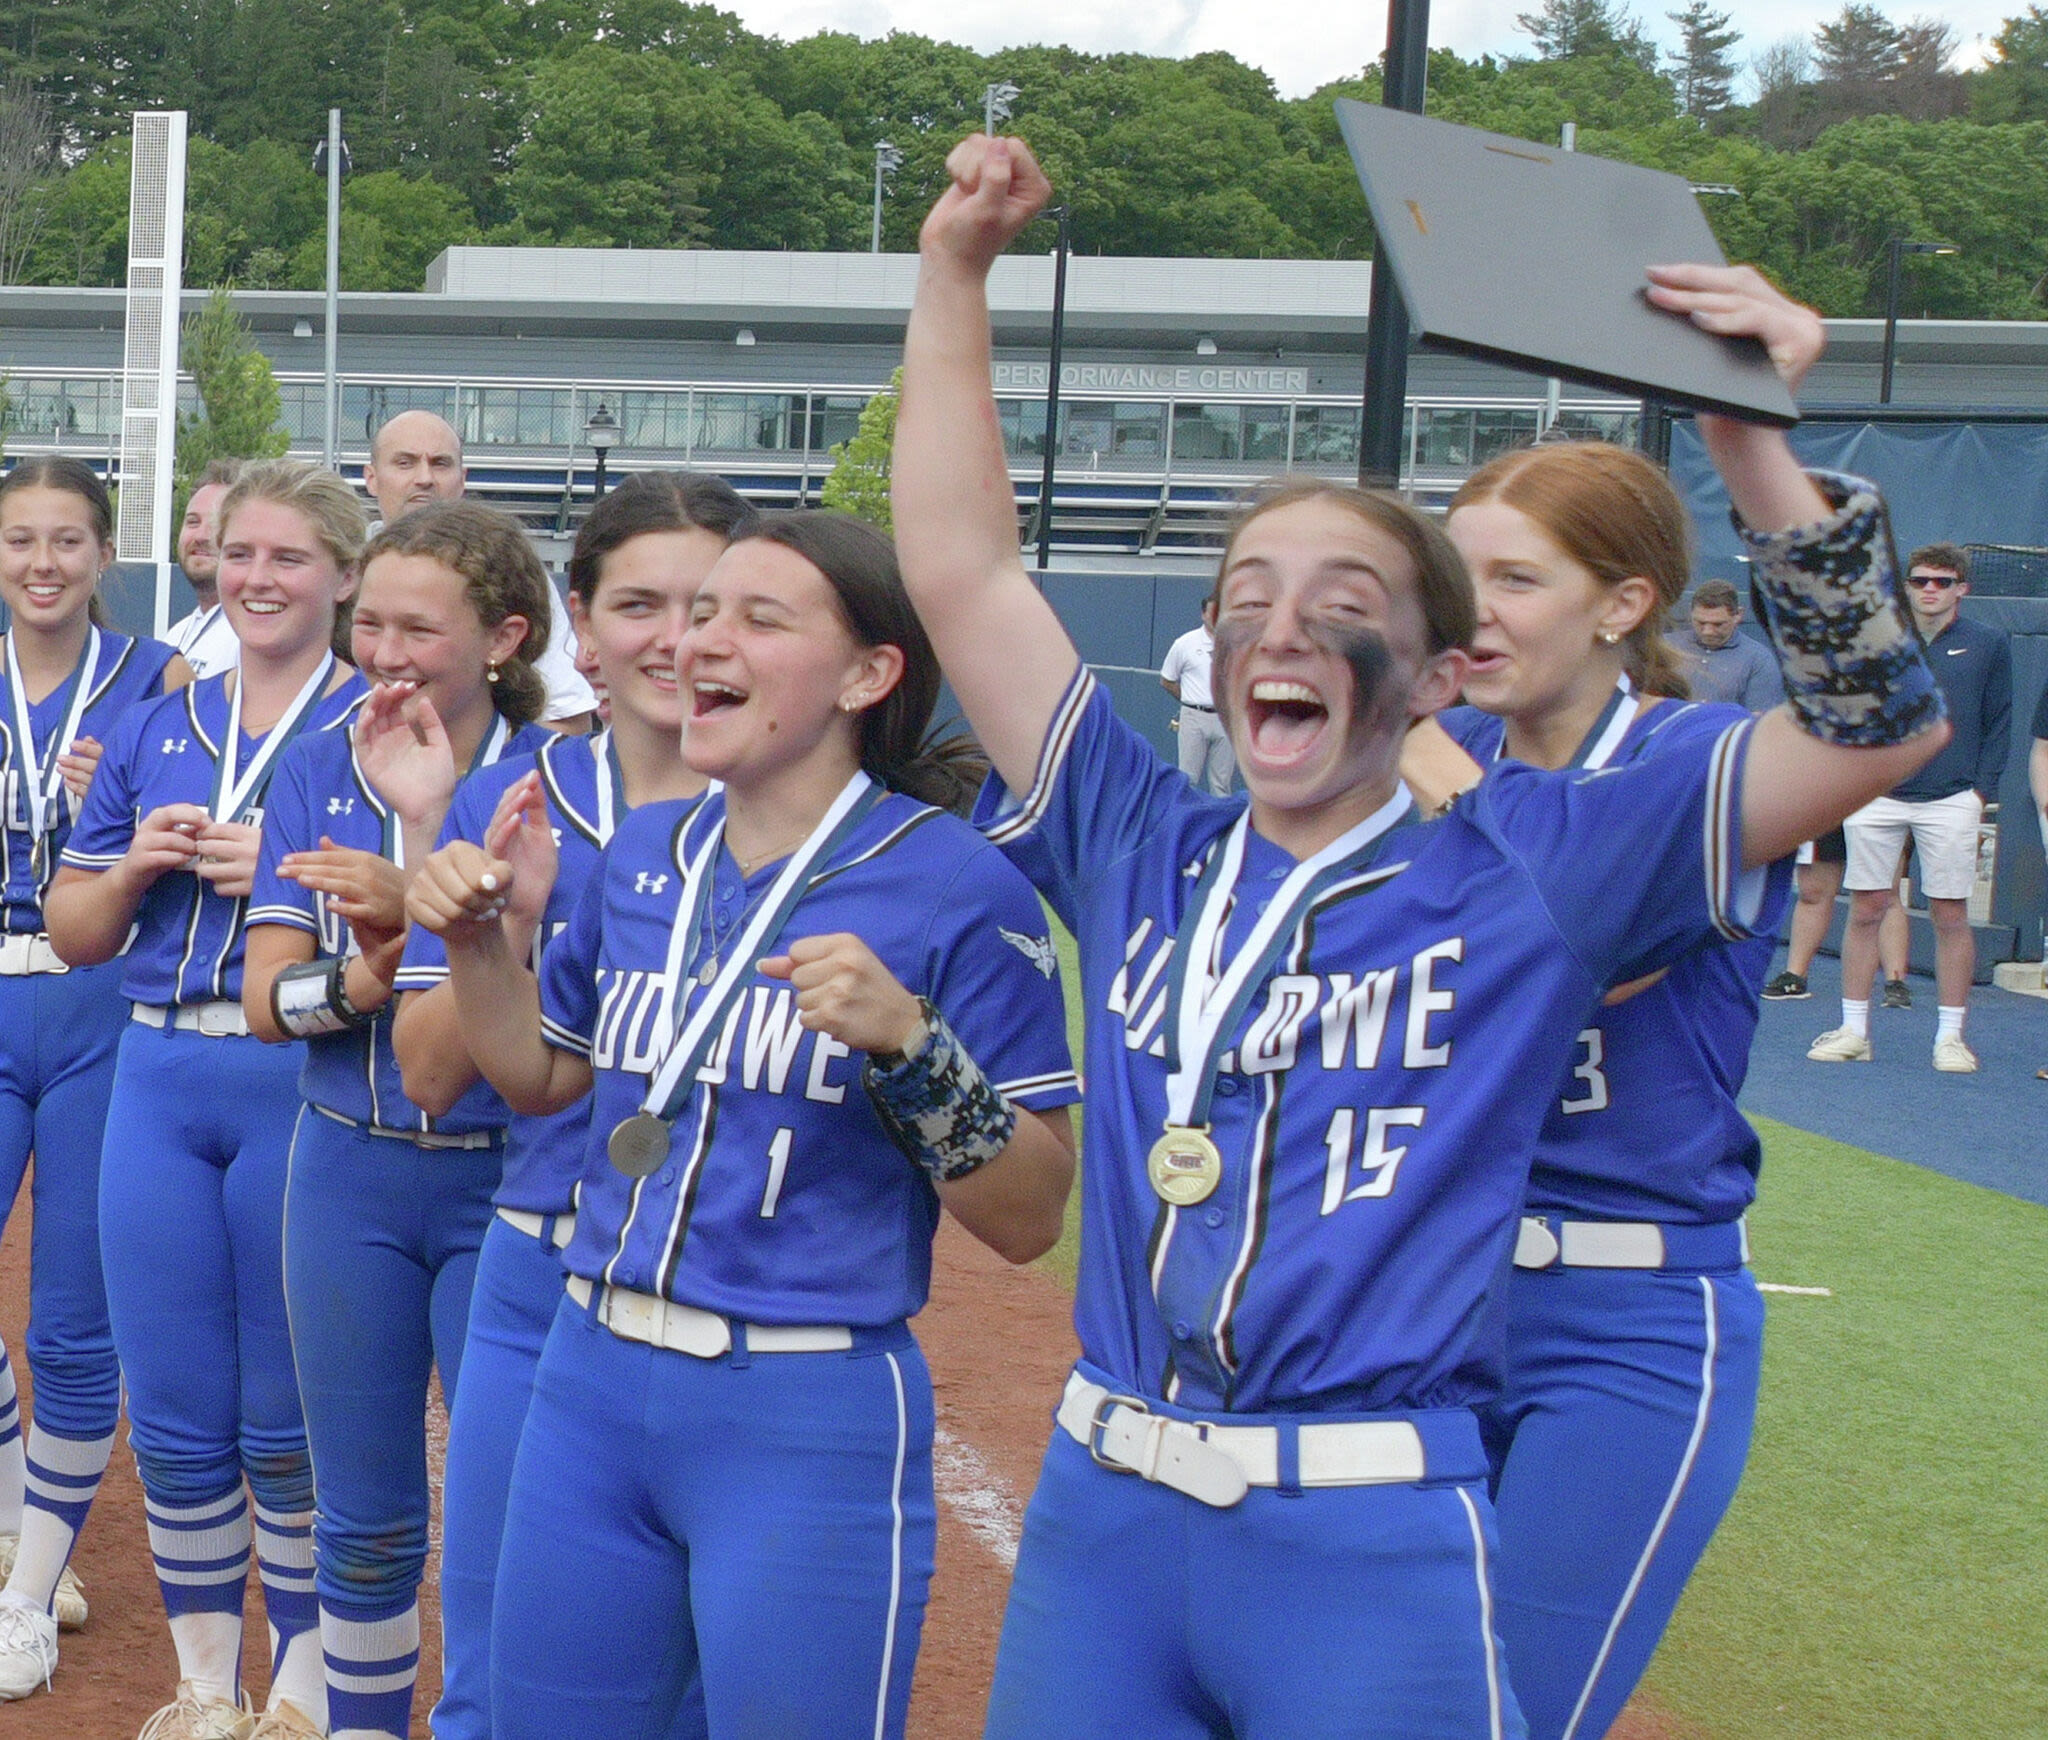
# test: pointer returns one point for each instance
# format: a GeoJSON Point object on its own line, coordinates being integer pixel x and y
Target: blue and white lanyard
{"type": "Point", "coordinates": [234, 796]}
{"type": "Point", "coordinates": [41, 779]}
{"type": "Point", "coordinates": [669, 1090]}
{"type": "Point", "coordinates": [1596, 749]}
{"type": "Point", "coordinates": [1202, 1007]}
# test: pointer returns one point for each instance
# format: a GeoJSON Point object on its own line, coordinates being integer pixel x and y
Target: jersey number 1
{"type": "Point", "coordinates": [778, 1166]}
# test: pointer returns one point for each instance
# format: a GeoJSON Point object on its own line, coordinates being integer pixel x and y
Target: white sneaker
{"type": "Point", "coordinates": [191, 1717]}
{"type": "Point", "coordinates": [28, 1647]}
{"type": "Point", "coordinates": [70, 1603]}
{"type": "Point", "coordinates": [1839, 1045]}
{"type": "Point", "coordinates": [1952, 1056]}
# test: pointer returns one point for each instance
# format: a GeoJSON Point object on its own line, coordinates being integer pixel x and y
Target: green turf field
{"type": "Point", "coordinates": [1883, 1574]}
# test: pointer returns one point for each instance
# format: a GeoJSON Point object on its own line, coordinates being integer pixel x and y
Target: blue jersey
{"type": "Point", "coordinates": [783, 1199]}
{"type": "Point", "coordinates": [543, 1156]}
{"type": "Point", "coordinates": [1646, 1126]}
{"type": "Point", "coordinates": [187, 946]}
{"type": "Point", "coordinates": [125, 672]}
{"type": "Point", "coordinates": [1384, 1085]}
{"type": "Point", "coordinates": [320, 789]}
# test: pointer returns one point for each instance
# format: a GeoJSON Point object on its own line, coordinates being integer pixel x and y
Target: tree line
{"type": "Point", "coordinates": [655, 123]}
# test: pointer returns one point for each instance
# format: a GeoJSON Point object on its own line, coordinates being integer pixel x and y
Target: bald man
{"type": "Point", "coordinates": [416, 458]}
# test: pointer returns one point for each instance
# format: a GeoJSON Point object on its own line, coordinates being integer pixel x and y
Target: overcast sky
{"type": "Point", "coordinates": [1301, 44]}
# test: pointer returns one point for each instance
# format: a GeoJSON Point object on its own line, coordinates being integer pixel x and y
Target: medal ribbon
{"type": "Point", "coordinates": [611, 784]}
{"type": "Point", "coordinates": [1599, 744]}
{"type": "Point", "coordinates": [1201, 1008]}
{"type": "Point", "coordinates": [42, 781]}
{"type": "Point", "coordinates": [669, 1089]}
{"type": "Point", "coordinates": [233, 797]}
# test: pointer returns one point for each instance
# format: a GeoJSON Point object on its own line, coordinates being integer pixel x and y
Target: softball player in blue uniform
{"type": "Point", "coordinates": [1321, 1041]}
{"type": "Point", "coordinates": [1634, 1330]}
{"type": "Point", "coordinates": [66, 682]}
{"type": "Point", "coordinates": [729, 1389]}
{"type": "Point", "coordinates": [386, 1205]}
{"type": "Point", "coordinates": [639, 559]}
{"type": "Point", "coordinates": [192, 1183]}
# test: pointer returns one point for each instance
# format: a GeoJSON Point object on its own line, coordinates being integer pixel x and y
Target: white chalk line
{"type": "Point", "coordinates": [1810, 1292]}
{"type": "Point", "coordinates": [980, 1497]}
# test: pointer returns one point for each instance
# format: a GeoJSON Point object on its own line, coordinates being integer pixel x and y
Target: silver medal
{"type": "Point", "coordinates": [638, 1145]}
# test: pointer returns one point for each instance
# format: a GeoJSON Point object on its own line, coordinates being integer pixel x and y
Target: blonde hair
{"type": "Point", "coordinates": [1617, 516]}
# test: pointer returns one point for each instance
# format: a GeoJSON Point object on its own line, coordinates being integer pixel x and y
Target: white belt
{"type": "Point", "coordinates": [1218, 1464]}
{"type": "Point", "coordinates": [22, 955]}
{"type": "Point", "coordinates": [220, 1020]}
{"type": "Point", "coordinates": [1619, 1244]}
{"type": "Point", "coordinates": [533, 1225]}
{"type": "Point", "coordinates": [702, 1334]}
{"type": "Point", "coordinates": [470, 1140]}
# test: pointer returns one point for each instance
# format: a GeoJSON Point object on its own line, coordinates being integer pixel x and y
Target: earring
{"type": "Point", "coordinates": [1607, 636]}
{"type": "Point", "coordinates": [490, 673]}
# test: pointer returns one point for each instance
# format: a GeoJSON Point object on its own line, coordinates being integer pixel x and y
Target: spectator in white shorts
{"type": "Point", "coordinates": [1205, 755]}
{"type": "Point", "coordinates": [1940, 808]}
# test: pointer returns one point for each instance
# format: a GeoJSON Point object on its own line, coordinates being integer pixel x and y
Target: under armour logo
{"type": "Point", "coordinates": [341, 806]}
{"type": "Point", "coordinates": [176, 745]}
{"type": "Point", "coordinates": [649, 881]}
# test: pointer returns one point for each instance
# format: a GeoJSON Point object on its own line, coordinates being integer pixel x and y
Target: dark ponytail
{"type": "Point", "coordinates": [859, 563]}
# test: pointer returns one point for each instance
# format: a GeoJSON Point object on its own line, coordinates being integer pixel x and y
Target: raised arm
{"type": "Point", "coordinates": [1863, 709]}
{"type": "Point", "coordinates": [1003, 649]}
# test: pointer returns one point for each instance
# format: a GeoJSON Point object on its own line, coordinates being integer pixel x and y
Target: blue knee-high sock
{"type": "Point", "coordinates": [201, 1551]}
{"type": "Point", "coordinates": [11, 1470]}
{"type": "Point", "coordinates": [63, 1479]}
{"type": "Point", "coordinates": [284, 1560]}
{"type": "Point", "coordinates": [371, 1667]}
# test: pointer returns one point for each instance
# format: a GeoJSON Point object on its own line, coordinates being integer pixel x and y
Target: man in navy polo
{"type": "Point", "coordinates": [1941, 807]}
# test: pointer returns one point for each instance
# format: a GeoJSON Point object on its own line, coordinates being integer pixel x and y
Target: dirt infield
{"type": "Point", "coordinates": [999, 1341]}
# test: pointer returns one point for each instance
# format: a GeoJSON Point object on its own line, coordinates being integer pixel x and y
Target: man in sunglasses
{"type": "Point", "coordinates": [1940, 807]}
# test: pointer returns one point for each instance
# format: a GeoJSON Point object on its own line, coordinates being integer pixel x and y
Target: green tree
{"type": "Point", "coordinates": [1860, 45]}
{"type": "Point", "coordinates": [1701, 69]}
{"type": "Point", "coordinates": [2013, 85]}
{"type": "Point", "coordinates": [1565, 28]}
{"type": "Point", "coordinates": [859, 484]}
{"type": "Point", "coordinates": [237, 393]}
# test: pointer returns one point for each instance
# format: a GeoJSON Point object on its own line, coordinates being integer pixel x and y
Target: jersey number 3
{"type": "Point", "coordinates": [1594, 1099]}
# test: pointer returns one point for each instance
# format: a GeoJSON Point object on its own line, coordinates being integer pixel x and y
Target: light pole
{"type": "Point", "coordinates": [1060, 214]}
{"type": "Point", "coordinates": [330, 157]}
{"type": "Point", "coordinates": [887, 161]}
{"type": "Point", "coordinates": [601, 430]}
{"type": "Point", "coordinates": [1386, 327]}
{"type": "Point", "coordinates": [1896, 249]}
{"type": "Point", "coordinates": [995, 104]}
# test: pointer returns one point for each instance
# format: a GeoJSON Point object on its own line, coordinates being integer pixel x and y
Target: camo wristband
{"type": "Point", "coordinates": [1855, 670]}
{"type": "Point", "coordinates": [936, 1104]}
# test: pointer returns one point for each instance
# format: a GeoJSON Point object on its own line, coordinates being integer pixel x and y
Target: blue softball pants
{"type": "Point", "coordinates": [518, 1286]}
{"type": "Point", "coordinates": [380, 1242]}
{"type": "Point", "coordinates": [1333, 1613]}
{"type": "Point", "coordinates": [191, 1233]}
{"type": "Point", "coordinates": [1617, 1444]}
{"type": "Point", "coordinates": [58, 1034]}
{"type": "Point", "coordinates": [765, 1522]}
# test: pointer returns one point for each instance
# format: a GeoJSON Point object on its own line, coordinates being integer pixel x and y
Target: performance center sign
{"type": "Point", "coordinates": [1149, 378]}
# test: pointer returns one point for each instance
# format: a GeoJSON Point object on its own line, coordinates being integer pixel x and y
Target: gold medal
{"type": "Point", "coordinates": [638, 1145]}
{"type": "Point", "coordinates": [1184, 1166]}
